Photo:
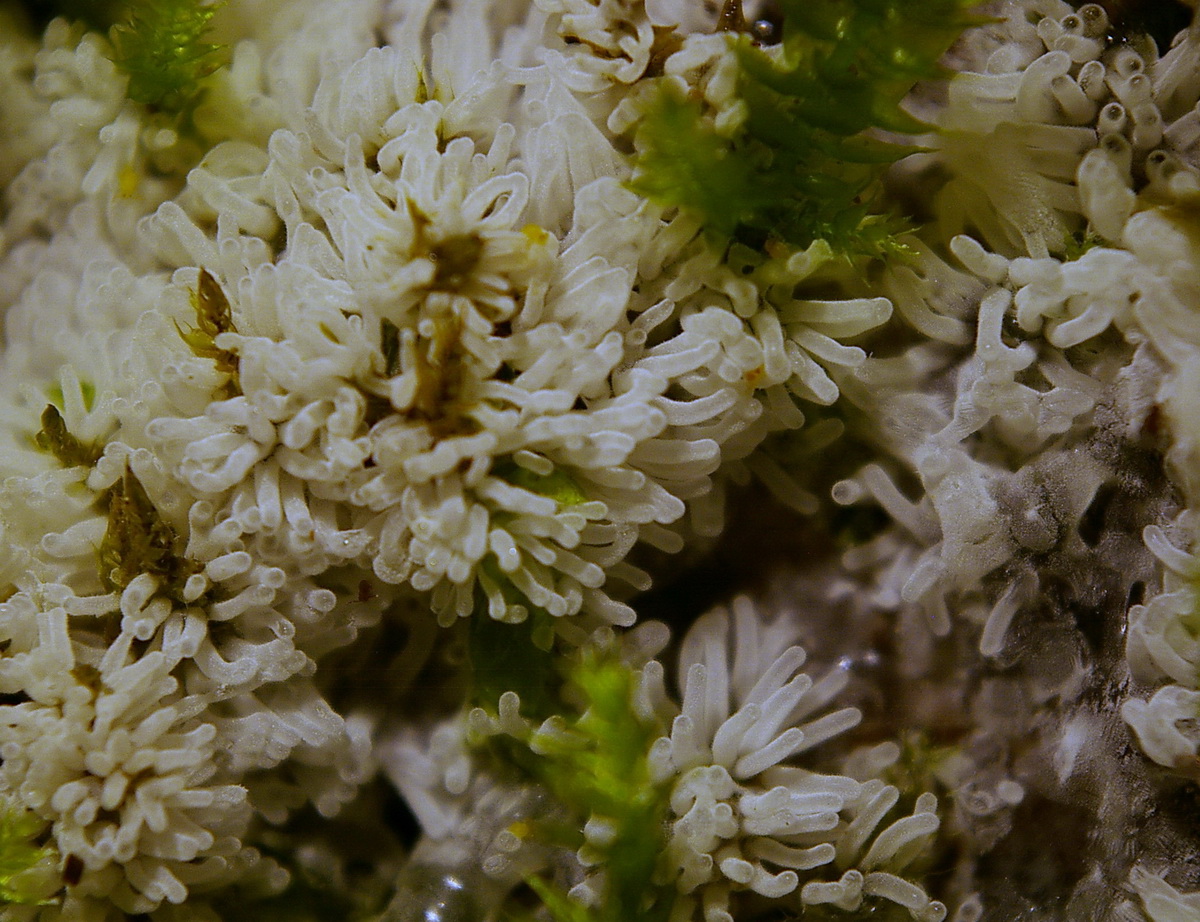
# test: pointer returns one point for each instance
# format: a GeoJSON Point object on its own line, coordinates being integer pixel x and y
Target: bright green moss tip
{"type": "Point", "coordinates": [26, 867]}
{"type": "Point", "coordinates": [1076, 244]}
{"type": "Point", "coordinates": [683, 162]}
{"type": "Point", "coordinates": [807, 162]}
{"type": "Point", "coordinates": [558, 485]}
{"type": "Point", "coordinates": [87, 390]}
{"type": "Point", "coordinates": [599, 768]}
{"type": "Point", "coordinates": [161, 46]}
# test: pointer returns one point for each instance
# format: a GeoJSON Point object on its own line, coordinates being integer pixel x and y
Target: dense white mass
{"type": "Point", "coordinates": [376, 350]}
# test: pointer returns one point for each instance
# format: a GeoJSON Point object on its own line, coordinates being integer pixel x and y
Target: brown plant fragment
{"type": "Point", "coordinates": [54, 438]}
{"type": "Point", "coordinates": [213, 318]}
{"type": "Point", "coordinates": [138, 540]}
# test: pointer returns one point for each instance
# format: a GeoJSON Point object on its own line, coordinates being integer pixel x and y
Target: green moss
{"type": "Point", "coordinates": [87, 390]}
{"type": "Point", "coordinates": [520, 656]}
{"type": "Point", "coordinates": [517, 657]}
{"type": "Point", "coordinates": [26, 867]}
{"type": "Point", "coordinates": [513, 657]}
{"type": "Point", "coordinates": [682, 161]}
{"type": "Point", "coordinates": [162, 46]}
{"type": "Point", "coordinates": [558, 485]}
{"type": "Point", "coordinates": [807, 163]}
{"type": "Point", "coordinates": [1078, 243]}
{"type": "Point", "coordinates": [597, 766]}
{"type": "Point", "coordinates": [917, 768]}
